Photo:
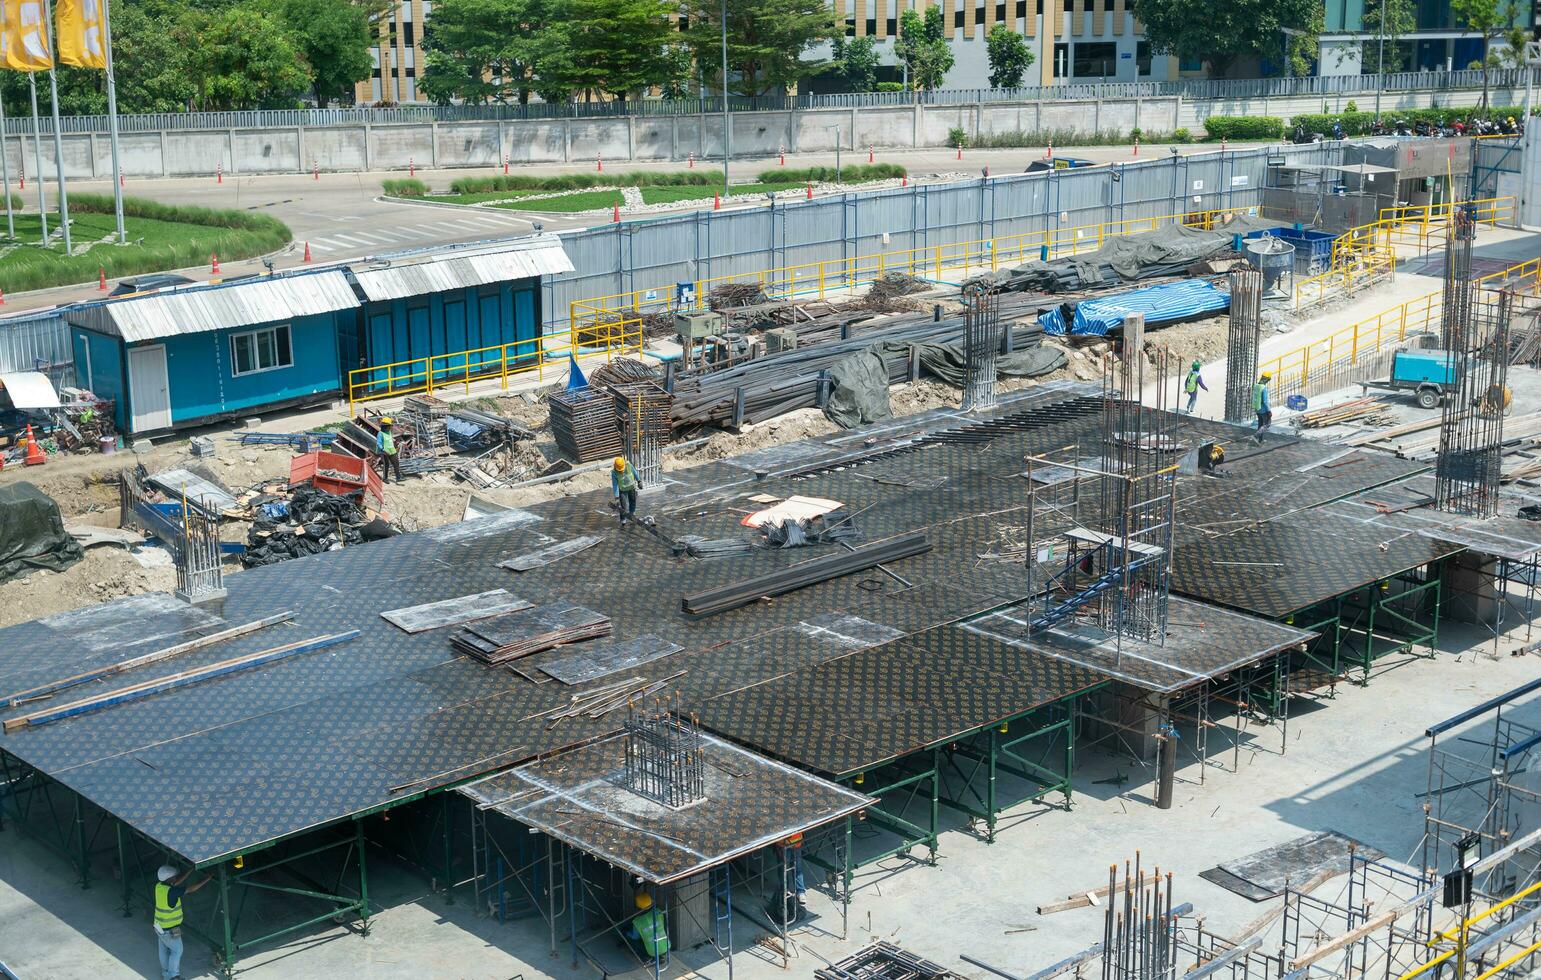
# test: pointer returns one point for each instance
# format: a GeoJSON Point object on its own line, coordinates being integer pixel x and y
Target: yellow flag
{"type": "Point", "coordinates": [26, 37]}
{"type": "Point", "coordinates": [81, 32]}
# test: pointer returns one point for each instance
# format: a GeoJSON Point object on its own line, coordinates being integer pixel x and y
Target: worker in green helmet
{"type": "Point", "coordinates": [1193, 384]}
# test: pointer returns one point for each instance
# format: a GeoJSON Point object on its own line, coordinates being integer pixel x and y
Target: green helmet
{"type": "Point", "coordinates": [1195, 365]}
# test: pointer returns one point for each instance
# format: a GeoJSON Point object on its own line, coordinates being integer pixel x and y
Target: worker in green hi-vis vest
{"type": "Point", "coordinates": [649, 928]}
{"type": "Point", "coordinates": [1260, 404]}
{"type": "Point", "coordinates": [385, 445]}
{"type": "Point", "coordinates": [170, 888]}
{"type": "Point", "coordinates": [1192, 384]}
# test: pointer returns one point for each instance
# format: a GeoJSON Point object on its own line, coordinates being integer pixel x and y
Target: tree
{"type": "Point", "coordinates": [1009, 57]}
{"type": "Point", "coordinates": [1221, 33]}
{"type": "Point", "coordinates": [1490, 19]}
{"type": "Point", "coordinates": [482, 51]}
{"type": "Point", "coordinates": [856, 61]}
{"type": "Point", "coordinates": [333, 36]}
{"type": "Point", "coordinates": [923, 47]}
{"type": "Point", "coordinates": [766, 41]}
{"type": "Point", "coordinates": [242, 58]}
{"type": "Point", "coordinates": [1384, 22]}
{"type": "Point", "coordinates": [614, 46]}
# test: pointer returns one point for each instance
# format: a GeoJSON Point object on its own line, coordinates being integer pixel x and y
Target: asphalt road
{"type": "Point", "coordinates": [343, 217]}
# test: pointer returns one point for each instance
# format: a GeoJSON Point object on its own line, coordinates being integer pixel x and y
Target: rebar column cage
{"type": "Point", "coordinates": [981, 345]}
{"type": "Point", "coordinates": [644, 410]}
{"type": "Point", "coordinates": [665, 760]}
{"type": "Point", "coordinates": [192, 536]}
{"type": "Point", "coordinates": [1469, 463]}
{"type": "Point", "coordinates": [1241, 342]}
{"type": "Point", "coordinates": [1139, 925]}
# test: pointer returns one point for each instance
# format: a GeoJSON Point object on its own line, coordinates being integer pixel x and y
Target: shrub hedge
{"type": "Point", "coordinates": [1359, 123]}
{"type": "Point", "coordinates": [1243, 127]}
{"type": "Point", "coordinates": [851, 173]}
{"type": "Point", "coordinates": [405, 187]}
{"type": "Point", "coordinates": [579, 182]}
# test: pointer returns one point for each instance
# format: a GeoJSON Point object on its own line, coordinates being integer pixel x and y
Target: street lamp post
{"type": "Point", "coordinates": [836, 131]}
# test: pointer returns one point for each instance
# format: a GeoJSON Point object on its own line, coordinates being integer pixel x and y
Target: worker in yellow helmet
{"type": "Point", "coordinates": [385, 447]}
{"type": "Point", "coordinates": [1260, 404]}
{"type": "Point", "coordinates": [624, 484]}
{"type": "Point", "coordinates": [650, 928]}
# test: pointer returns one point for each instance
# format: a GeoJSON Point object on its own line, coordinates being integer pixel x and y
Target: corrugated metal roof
{"type": "Point", "coordinates": [534, 257]}
{"type": "Point", "coordinates": [218, 307]}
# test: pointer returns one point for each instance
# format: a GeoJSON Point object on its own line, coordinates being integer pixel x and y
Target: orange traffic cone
{"type": "Point", "coordinates": [214, 263]}
{"type": "Point", "coordinates": [716, 202]}
{"type": "Point", "coordinates": [101, 279]}
{"type": "Point", "coordinates": [810, 190]}
{"type": "Point", "coordinates": [307, 251]}
{"type": "Point", "coordinates": [616, 217]}
{"type": "Point", "coordinates": [35, 454]}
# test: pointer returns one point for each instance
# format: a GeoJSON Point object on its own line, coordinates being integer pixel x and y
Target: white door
{"type": "Point", "coordinates": [149, 392]}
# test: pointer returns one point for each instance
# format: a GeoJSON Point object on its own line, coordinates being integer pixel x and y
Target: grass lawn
{"type": "Point", "coordinates": [669, 195]}
{"type": "Point", "coordinates": [155, 244]}
{"type": "Point", "coordinates": [476, 198]}
{"type": "Point", "coordinates": [581, 201]}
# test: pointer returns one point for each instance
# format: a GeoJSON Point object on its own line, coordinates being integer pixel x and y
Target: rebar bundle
{"type": "Point", "coordinates": [665, 760]}
{"type": "Point", "coordinates": [981, 346]}
{"type": "Point", "coordinates": [1469, 465]}
{"type": "Point", "coordinates": [1139, 926]}
{"type": "Point", "coordinates": [1241, 343]}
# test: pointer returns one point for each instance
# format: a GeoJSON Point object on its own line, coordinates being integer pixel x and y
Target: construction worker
{"type": "Point", "coordinates": [385, 445]}
{"type": "Point", "coordinates": [650, 928]}
{"type": "Point", "coordinates": [624, 484]}
{"type": "Point", "coordinates": [1260, 404]}
{"type": "Point", "coordinates": [1192, 384]}
{"type": "Point", "coordinates": [170, 887]}
{"type": "Point", "coordinates": [792, 855]}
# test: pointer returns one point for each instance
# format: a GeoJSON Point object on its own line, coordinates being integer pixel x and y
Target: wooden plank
{"type": "Point", "coordinates": [53, 687]}
{"type": "Point", "coordinates": [134, 692]}
{"type": "Point", "coordinates": [1333, 945]}
{"type": "Point", "coordinates": [451, 612]}
{"type": "Point", "coordinates": [1083, 899]}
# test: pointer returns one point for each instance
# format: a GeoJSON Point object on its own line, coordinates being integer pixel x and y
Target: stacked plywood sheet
{"type": "Point", "coordinates": [504, 639]}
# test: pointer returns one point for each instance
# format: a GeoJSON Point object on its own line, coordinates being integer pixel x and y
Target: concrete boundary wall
{"type": "Point", "coordinates": [619, 141]}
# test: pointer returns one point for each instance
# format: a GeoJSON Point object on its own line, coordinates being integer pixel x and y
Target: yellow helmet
{"type": "Point", "coordinates": [1266, 376]}
{"type": "Point", "coordinates": [620, 462]}
{"type": "Point", "coordinates": [644, 901]}
{"type": "Point", "coordinates": [387, 420]}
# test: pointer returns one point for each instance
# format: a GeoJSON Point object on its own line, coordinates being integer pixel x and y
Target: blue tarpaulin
{"type": "Point", "coordinates": [1166, 303]}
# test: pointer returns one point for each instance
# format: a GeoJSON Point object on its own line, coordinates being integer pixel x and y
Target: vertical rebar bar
{"type": "Point", "coordinates": [981, 346]}
{"type": "Point", "coordinates": [1242, 342]}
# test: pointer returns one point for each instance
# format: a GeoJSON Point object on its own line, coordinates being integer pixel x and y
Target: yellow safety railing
{"type": "Point", "coordinates": [428, 375]}
{"type": "Point", "coordinates": [1292, 371]}
{"type": "Point", "coordinates": [820, 279]}
{"type": "Point", "coordinates": [1459, 933]}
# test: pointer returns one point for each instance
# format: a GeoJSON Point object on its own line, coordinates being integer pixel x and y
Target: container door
{"type": "Point", "coordinates": [149, 390]}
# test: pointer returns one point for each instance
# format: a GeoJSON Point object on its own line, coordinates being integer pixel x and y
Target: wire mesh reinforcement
{"type": "Point", "coordinates": [1474, 332]}
{"type": "Point", "coordinates": [981, 346]}
{"type": "Point", "coordinates": [665, 760]}
{"type": "Point", "coordinates": [1241, 343]}
{"type": "Point", "coordinates": [644, 412]}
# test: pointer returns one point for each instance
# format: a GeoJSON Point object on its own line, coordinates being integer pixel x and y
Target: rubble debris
{"type": "Point", "coordinates": [310, 522]}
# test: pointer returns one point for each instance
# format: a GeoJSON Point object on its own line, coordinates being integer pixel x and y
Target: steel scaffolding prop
{"type": "Point", "coordinates": [1468, 467]}
{"type": "Point", "coordinates": [1241, 343]}
{"type": "Point", "coordinates": [981, 345]}
{"type": "Point", "coordinates": [1482, 792]}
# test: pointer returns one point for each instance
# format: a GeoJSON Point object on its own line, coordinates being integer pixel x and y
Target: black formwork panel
{"type": "Point", "coordinates": [579, 797]}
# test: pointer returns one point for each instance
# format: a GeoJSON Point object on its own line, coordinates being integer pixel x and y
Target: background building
{"type": "Point", "coordinates": [397, 54]}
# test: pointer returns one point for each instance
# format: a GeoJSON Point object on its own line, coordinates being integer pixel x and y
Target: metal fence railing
{"type": "Point", "coordinates": [1196, 89]}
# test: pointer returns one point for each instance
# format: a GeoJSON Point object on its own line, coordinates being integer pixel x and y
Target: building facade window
{"type": "Point", "coordinates": [1098, 59]}
{"type": "Point", "coordinates": [261, 350]}
{"type": "Point", "coordinates": [1142, 57]}
{"type": "Point", "coordinates": [1061, 60]}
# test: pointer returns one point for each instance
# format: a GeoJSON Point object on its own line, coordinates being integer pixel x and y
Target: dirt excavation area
{"type": "Point", "coordinates": [85, 487]}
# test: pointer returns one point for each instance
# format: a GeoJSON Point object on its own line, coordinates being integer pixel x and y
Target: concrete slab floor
{"type": "Point", "coordinates": [1353, 763]}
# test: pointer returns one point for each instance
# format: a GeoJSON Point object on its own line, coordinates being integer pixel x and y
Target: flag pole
{"type": "Point", "coordinates": [37, 155]}
{"type": "Point", "coordinates": [112, 121]}
{"type": "Point", "coordinates": [5, 175]}
{"type": "Point", "coordinates": [53, 87]}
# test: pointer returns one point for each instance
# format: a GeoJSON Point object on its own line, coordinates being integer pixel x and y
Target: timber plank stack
{"type": "Point", "coordinates": [507, 638]}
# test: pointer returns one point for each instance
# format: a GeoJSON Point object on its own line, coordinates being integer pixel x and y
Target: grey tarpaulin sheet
{"type": "Point", "coordinates": [32, 533]}
{"type": "Point", "coordinates": [1164, 252]}
{"type": "Point", "coordinates": [860, 390]}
